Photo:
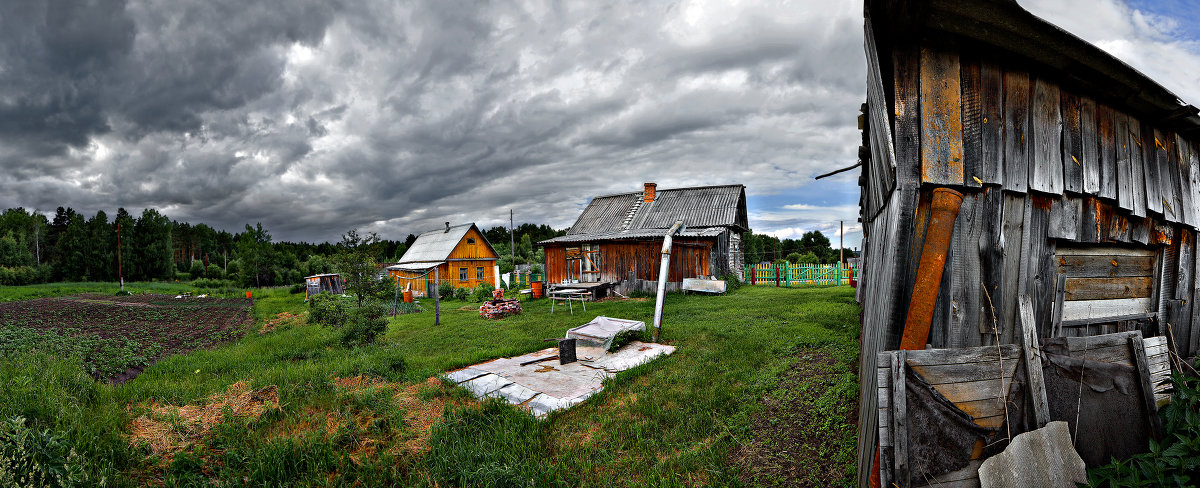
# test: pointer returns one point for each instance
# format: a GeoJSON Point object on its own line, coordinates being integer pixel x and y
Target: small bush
{"type": "Point", "coordinates": [483, 292]}
{"type": "Point", "coordinates": [183, 276]}
{"type": "Point", "coordinates": [365, 324]}
{"type": "Point", "coordinates": [326, 309]}
{"type": "Point", "coordinates": [297, 289]}
{"type": "Point", "coordinates": [732, 281]}
{"type": "Point", "coordinates": [462, 294]}
{"type": "Point", "coordinates": [123, 293]}
{"type": "Point", "coordinates": [445, 290]}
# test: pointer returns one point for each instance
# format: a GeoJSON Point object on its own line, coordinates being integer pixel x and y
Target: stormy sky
{"type": "Point", "coordinates": [314, 117]}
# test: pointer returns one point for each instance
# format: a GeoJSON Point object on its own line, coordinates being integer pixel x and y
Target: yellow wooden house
{"type": "Point", "coordinates": [461, 255]}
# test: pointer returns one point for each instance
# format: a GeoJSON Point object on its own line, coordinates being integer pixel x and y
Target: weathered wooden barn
{"type": "Point", "coordinates": [1078, 175]}
{"type": "Point", "coordinates": [330, 282]}
{"type": "Point", "coordinates": [618, 238]}
{"type": "Point", "coordinates": [461, 254]}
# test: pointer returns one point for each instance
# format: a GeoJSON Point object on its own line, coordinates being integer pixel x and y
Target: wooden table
{"type": "Point", "coordinates": [569, 295]}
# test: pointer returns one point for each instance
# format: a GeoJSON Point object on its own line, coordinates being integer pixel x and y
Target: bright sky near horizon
{"type": "Point", "coordinates": [313, 117]}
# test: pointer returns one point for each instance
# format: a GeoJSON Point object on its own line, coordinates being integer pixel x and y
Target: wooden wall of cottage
{"type": "Point", "coordinates": [1089, 209]}
{"type": "Point", "coordinates": [633, 264]}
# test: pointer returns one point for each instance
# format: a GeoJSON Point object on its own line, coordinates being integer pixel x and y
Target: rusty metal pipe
{"type": "Point", "coordinates": [943, 211]}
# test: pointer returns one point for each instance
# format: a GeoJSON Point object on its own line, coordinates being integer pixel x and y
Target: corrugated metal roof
{"type": "Point", "coordinates": [436, 245]}
{"type": "Point", "coordinates": [608, 216]}
{"type": "Point", "coordinates": [636, 234]}
{"type": "Point", "coordinates": [416, 266]}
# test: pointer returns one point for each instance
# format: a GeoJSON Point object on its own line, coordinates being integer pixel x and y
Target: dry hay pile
{"type": "Point", "coordinates": [169, 429]}
{"type": "Point", "coordinates": [280, 320]}
{"type": "Point", "coordinates": [419, 415]}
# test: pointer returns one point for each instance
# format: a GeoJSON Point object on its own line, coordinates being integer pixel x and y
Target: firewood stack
{"type": "Point", "coordinates": [498, 307]}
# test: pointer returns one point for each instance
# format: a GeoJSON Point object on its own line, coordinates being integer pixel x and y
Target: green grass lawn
{"type": "Point", "coordinates": [703, 416]}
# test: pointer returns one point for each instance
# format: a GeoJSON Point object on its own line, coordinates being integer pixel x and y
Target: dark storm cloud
{"type": "Point", "coordinates": [314, 117]}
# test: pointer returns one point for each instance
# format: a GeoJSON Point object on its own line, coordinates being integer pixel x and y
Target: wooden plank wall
{"type": "Point", "coordinates": [632, 260]}
{"type": "Point", "coordinates": [1042, 166]}
{"type": "Point", "coordinates": [888, 223]}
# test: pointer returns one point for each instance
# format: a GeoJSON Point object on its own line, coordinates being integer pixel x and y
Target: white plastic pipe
{"type": "Point", "coordinates": [663, 270]}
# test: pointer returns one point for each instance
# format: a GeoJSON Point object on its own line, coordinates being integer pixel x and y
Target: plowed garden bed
{"type": "Point", "coordinates": [117, 337]}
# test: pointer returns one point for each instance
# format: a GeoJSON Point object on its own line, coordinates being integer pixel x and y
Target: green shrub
{"type": "Point", "coordinates": [30, 457]}
{"type": "Point", "coordinates": [483, 292]}
{"type": "Point", "coordinates": [365, 324]}
{"type": "Point", "coordinates": [183, 276]}
{"type": "Point", "coordinates": [1175, 461]}
{"type": "Point", "coordinates": [214, 272]}
{"type": "Point", "coordinates": [196, 269]}
{"type": "Point", "coordinates": [732, 281]}
{"type": "Point", "coordinates": [326, 309]}
{"type": "Point", "coordinates": [462, 294]}
{"type": "Point", "coordinates": [297, 289]}
{"type": "Point", "coordinates": [445, 290]}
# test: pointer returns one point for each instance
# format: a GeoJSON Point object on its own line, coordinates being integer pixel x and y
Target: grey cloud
{"type": "Point", "coordinates": [315, 117]}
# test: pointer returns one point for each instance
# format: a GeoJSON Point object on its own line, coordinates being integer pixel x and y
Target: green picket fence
{"type": "Point", "coordinates": [523, 280]}
{"type": "Point", "coordinates": [800, 274]}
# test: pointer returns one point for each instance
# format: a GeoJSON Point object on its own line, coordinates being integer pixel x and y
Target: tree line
{"type": "Point", "coordinates": [72, 246]}
{"type": "Point", "coordinates": [811, 248]}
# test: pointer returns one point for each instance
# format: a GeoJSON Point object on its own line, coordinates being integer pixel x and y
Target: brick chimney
{"type": "Point", "coordinates": [648, 193]}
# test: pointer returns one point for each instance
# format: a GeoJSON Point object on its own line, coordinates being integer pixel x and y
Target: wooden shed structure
{"type": "Point", "coordinates": [618, 238]}
{"type": "Point", "coordinates": [1078, 175]}
{"type": "Point", "coordinates": [461, 254]}
{"type": "Point", "coordinates": [330, 282]}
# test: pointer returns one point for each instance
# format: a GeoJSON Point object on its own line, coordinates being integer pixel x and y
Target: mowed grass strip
{"type": "Point", "coordinates": [672, 422]}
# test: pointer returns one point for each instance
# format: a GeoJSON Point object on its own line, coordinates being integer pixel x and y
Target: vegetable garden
{"type": "Point", "coordinates": [117, 337]}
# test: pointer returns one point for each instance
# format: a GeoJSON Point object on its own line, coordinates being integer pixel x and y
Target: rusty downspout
{"type": "Point", "coordinates": [943, 211]}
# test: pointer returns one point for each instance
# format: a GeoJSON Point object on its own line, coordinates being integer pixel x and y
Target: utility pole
{"type": "Point", "coordinates": [120, 275]}
{"type": "Point", "coordinates": [512, 245]}
{"type": "Point", "coordinates": [437, 299]}
{"type": "Point", "coordinates": [841, 248]}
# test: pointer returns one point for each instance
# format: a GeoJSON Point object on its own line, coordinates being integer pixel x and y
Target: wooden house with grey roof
{"type": "Point", "coordinates": [1003, 157]}
{"type": "Point", "coordinates": [461, 254]}
{"type": "Point", "coordinates": [618, 238]}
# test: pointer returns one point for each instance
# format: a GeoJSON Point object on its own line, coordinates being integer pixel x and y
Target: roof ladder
{"type": "Point", "coordinates": [637, 204]}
